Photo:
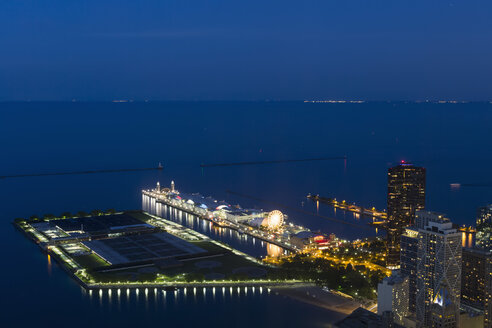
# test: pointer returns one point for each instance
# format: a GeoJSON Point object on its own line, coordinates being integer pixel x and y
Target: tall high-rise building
{"type": "Point", "coordinates": [484, 228]}
{"type": "Point", "coordinates": [406, 194]}
{"type": "Point", "coordinates": [488, 292]}
{"type": "Point", "coordinates": [438, 272]}
{"type": "Point", "coordinates": [408, 263]}
{"type": "Point", "coordinates": [473, 274]}
{"type": "Point", "coordinates": [484, 243]}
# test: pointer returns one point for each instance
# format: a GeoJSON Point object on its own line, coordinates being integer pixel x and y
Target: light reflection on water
{"type": "Point", "coordinates": [49, 265]}
{"type": "Point", "coordinates": [231, 237]}
{"type": "Point", "coordinates": [467, 239]}
{"type": "Point", "coordinates": [274, 250]}
{"type": "Point", "coordinates": [158, 298]}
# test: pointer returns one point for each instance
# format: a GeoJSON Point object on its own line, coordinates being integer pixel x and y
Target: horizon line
{"type": "Point", "coordinates": [312, 101]}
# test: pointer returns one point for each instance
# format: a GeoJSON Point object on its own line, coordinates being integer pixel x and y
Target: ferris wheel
{"type": "Point", "coordinates": [275, 219]}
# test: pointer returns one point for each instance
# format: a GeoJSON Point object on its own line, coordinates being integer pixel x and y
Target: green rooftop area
{"type": "Point", "coordinates": [133, 247]}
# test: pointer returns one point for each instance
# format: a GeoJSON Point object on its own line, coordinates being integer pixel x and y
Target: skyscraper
{"type": "Point", "coordinates": [488, 292]}
{"type": "Point", "coordinates": [408, 263]}
{"type": "Point", "coordinates": [473, 275]}
{"type": "Point", "coordinates": [438, 272]}
{"type": "Point", "coordinates": [406, 194]}
{"type": "Point", "coordinates": [484, 228]}
{"type": "Point", "coordinates": [484, 243]}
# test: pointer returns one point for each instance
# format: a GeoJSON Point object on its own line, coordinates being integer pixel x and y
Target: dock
{"type": "Point", "coordinates": [280, 241]}
{"type": "Point", "coordinates": [345, 206]}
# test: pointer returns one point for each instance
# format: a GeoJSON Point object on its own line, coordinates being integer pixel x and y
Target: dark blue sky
{"type": "Point", "coordinates": [245, 50]}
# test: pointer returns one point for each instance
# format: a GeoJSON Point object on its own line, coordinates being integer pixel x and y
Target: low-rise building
{"type": "Point", "coordinates": [310, 240]}
{"type": "Point", "coordinates": [393, 296]}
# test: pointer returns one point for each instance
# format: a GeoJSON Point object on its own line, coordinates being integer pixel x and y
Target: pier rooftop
{"type": "Point", "coordinates": [136, 249]}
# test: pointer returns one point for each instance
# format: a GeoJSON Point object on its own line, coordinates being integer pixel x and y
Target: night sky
{"type": "Point", "coordinates": [245, 50]}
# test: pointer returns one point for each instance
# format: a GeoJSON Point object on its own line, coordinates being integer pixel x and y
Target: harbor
{"type": "Point", "coordinates": [270, 229]}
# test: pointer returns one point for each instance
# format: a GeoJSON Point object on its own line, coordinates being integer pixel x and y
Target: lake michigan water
{"type": "Point", "coordinates": [453, 141]}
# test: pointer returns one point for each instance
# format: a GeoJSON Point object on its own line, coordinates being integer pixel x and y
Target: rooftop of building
{"type": "Point", "coordinates": [410, 232]}
{"type": "Point", "coordinates": [394, 279]}
{"type": "Point", "coordinates": [305, 234]}
{"type": "Point", "coordinates": [406, 164]}
{"type": "Point", "coordinates": [434, 222]}
{"type": "Point", "coordinates": [131, 248]}
{"type": "Point", "coordinates": [208, 203]}
{"type": "Point", "coordinates": [361, 317]}
{"type": "Point", "coordinates": [443, 228]}
{"type": "Point", "coordinates": [435, 215]}
{"type": "Point", "coordinates": [475, 251]}
{"type": "Point", "coordinates": [98, 223]}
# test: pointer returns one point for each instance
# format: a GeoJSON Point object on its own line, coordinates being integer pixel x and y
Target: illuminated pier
{"type": "Point", "coordinates": [344, 206]}
{"type": "Point", "coordinates": [265, 226]}
{"type": "Point", "coordinates": [154, 200]}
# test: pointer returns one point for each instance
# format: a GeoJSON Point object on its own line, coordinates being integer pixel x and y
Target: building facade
{"type": "Point", "coordinates": [488, 292]}
{"type": "Point", "coordinates": [393, 296]}
{"type": "Point", "coordinates": [484, 244]}
{"type": "Point", "coordinates": [484, 228]}
{"type": "Point", "coordinates": [406, 194]}
{"type": "Point", "coordinates": [305, 240]}
{"type": "Point", "coordinates": [473, 269]}
{"type": "Point", "coordinates": [438, 273]}
{"type": "Point", "coordinates": [408, 263]}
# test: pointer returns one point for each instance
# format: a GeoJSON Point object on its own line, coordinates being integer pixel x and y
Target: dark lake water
{"type": "Point", "coordinates": [453, 141]}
